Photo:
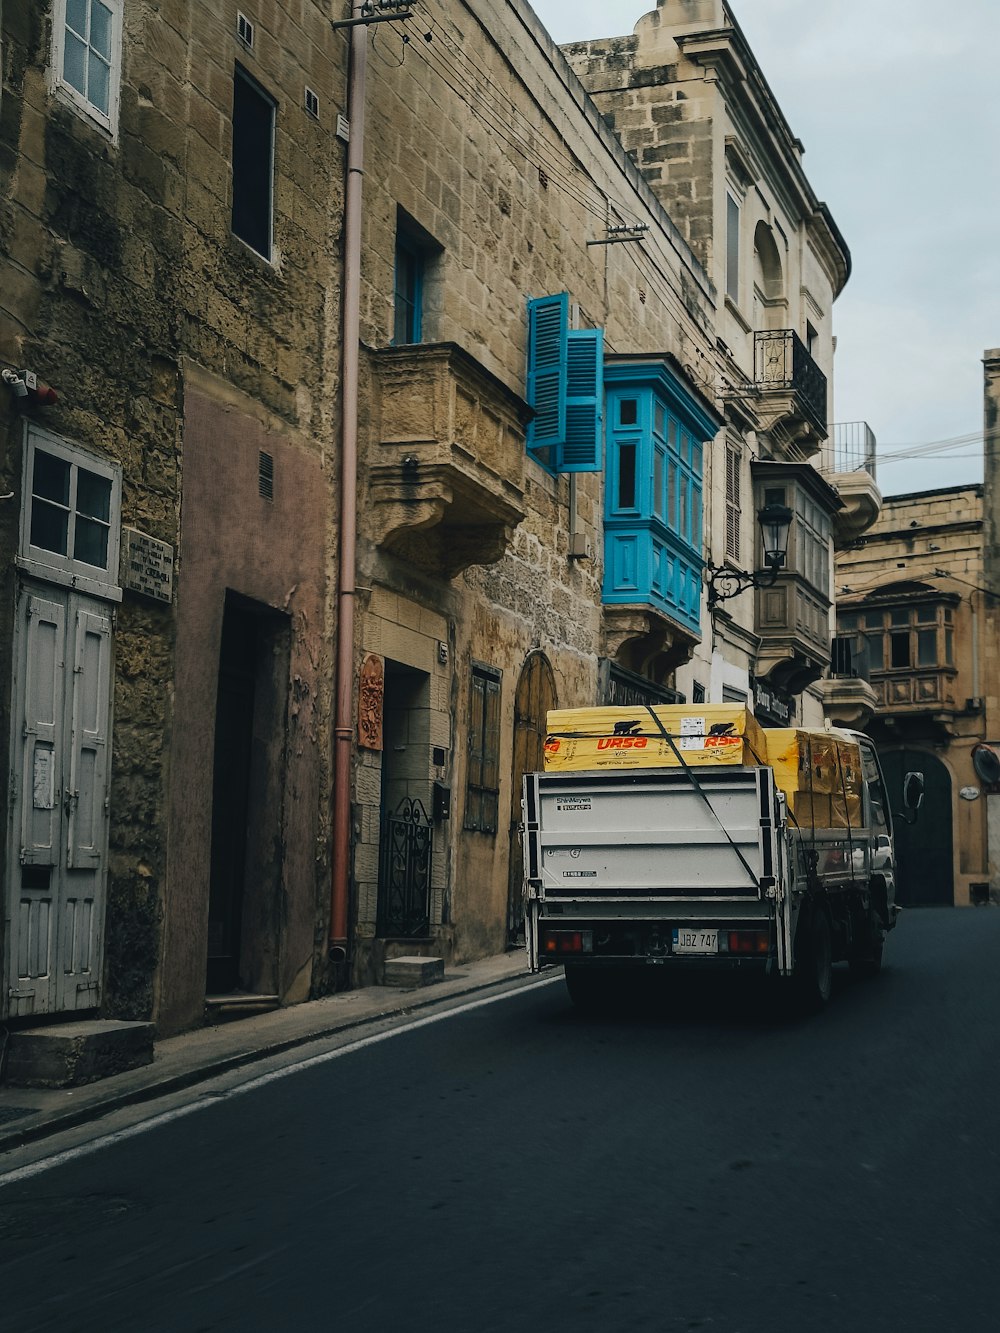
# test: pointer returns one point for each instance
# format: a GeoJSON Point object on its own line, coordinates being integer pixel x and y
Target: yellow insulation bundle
{"type": "Point", "coordinates": [706, 735]}
{"type": "Point", "coordinates": [820, 773]}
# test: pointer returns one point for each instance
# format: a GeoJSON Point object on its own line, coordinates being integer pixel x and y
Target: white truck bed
{"type": "Point", "coordinates": [651, 832]}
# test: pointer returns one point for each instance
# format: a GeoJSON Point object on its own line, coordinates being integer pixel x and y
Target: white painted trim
{"type": "Point", "coordinates": [49, 565]}
{"type": "Point", "coordinates": [65, 90]}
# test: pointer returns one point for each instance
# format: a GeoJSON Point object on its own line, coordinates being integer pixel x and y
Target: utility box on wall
{"type": "Point", "coordinates": [441, 802]}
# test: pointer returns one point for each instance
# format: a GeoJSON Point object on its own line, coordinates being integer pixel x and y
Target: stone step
{"type": "Point", "coordinates": [66, 1055]}
{"type": "Point", "coordinates": [410, 973]}
{"type": "Point", "coordinates": [238, 1004]}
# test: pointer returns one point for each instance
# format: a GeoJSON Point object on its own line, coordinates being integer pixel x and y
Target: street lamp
{"type": "Point", "coordinates": [775, 521]}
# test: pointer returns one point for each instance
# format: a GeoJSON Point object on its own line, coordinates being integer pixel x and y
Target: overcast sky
{"type": "Point", "coordinates": [897, 104]}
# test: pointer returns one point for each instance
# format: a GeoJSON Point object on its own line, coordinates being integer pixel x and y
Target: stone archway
{"type": "Point", "coordinates": [925, 854]}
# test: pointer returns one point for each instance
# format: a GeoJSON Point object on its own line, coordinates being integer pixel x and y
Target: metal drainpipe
{"type": "Point", "coordinates": [346, 587]}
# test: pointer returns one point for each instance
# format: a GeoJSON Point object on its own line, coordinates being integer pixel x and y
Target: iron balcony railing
{"type": "Point", "coordinates": [782, 364]}
{"type": "Point", "coordinates": [854, 447]}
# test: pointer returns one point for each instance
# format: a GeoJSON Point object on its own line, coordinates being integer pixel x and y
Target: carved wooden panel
{"type": "Point", "coordinates": [371, 696]}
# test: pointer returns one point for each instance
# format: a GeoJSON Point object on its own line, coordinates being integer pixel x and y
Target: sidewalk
{"type": "Point", "coordinates": [29, 1114]}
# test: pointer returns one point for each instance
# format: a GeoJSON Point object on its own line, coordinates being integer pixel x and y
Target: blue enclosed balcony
{"type": "Point", "coordinates": [657, 426]}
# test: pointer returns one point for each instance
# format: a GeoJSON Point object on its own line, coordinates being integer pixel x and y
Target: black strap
{"type": "Point", "coordinates": [755, 880]}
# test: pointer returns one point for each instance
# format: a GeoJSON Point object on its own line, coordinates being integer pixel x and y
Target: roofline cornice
{"type": "Point", "coordinates": [727, 51]}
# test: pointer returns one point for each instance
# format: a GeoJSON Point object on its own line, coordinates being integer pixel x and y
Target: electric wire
{"type": "Point", "coordinates": [473, 85]}
{"type": "Point", "coordinates": [493, 115]}
{"type": "Point", "coordinates": [538, 149]}
{"type": "Point", "coordinates": [533, 140]}
{"type": "Point", "coordinates": [555, 174]}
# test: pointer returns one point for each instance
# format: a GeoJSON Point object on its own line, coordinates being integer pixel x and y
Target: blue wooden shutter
{"type": "Point", "coordinates": [582, 450]}
{"type": "Point", "coordinates": [548, 337]}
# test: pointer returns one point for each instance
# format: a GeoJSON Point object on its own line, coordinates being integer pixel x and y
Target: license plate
{"type": "Point", "coordinates": [695, 941]}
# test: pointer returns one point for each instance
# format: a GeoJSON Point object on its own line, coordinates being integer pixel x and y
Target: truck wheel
{"type": "Point", "coordinates": [866, 956]}
{"type": "Point", "coordinates": [814, 964]}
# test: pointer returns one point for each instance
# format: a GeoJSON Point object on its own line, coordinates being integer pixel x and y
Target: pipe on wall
{"type": "Point", "coordinates": [343, 734]}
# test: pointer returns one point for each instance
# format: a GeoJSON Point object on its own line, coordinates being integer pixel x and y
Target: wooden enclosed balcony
{"type": "Point", "coordinates": [793, 622]}
{"type": "Point", "coordinates": [447, 458]}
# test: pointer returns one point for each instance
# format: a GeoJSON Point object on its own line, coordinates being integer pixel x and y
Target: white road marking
{"type": "Point", "coordinates": [178, 1113]}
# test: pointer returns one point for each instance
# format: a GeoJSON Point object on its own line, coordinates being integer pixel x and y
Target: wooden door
{"type": "Point", "coordinates": [536, 694]}
{"type": "Point", "coordinates": [57, 866]}
{"type": "Point", "coordinates": [925, 855]}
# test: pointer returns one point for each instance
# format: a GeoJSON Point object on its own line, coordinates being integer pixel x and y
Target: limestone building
{"type": "Point", "coordinates": [917, 611]}
{"type": "Point", "coordinates": [914, 615]}
{"type": "Point", "coordinates": [692, 106]}
{"type": "Point", "coordinates": [396, 399]}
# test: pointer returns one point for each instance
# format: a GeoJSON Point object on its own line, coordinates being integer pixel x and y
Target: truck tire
{"type": "Point", "coordinates": [814, 962]}
{"type": "Point", "coordinates": [869, 947]}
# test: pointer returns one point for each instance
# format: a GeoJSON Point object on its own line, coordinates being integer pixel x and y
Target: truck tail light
{"type": "Point", "coordinates": [749, 941]}
{"type": "Point", "coordinates": [568, 942]}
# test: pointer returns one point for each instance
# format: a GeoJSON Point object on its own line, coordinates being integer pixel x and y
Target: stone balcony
{"type": "Point", "coordinates": [850, 470]}
{"type": "Point", "coordinates": [862, 505]}
{"type": "Point", "coordinates": [848, 701]}
{"type": "Point", "coordinates": [447, 458]}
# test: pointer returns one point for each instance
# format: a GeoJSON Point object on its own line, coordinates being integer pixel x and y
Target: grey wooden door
{"type": "Point", "coordinates": [61, 714]}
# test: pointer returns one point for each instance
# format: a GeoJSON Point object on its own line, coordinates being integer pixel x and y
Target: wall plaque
{"type": "Point", "coordinates": [147, 565]}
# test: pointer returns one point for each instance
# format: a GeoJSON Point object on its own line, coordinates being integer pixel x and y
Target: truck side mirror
{"type": "Point", "coordinates": [913, 796]}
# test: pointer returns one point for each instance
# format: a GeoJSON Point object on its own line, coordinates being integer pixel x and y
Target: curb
{"type": "Point", "coordinates": [19, 1137]}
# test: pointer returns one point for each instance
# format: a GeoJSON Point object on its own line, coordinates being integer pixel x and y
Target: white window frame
{"type": "Point", "coordinates": [50, 565]}
{"type": "Point", "coordinates": [61, 86]}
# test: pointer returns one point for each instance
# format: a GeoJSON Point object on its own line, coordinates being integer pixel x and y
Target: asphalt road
{"type": "Point", "coordinates": [698, 1165]}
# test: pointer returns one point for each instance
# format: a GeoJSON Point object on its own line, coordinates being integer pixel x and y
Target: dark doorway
{"type": "Point", "coordinates": [406, 843]}
{"type": "Point", "coordinates": [247, 787]}
{"type": "Point", "coordinates": [924, 850]}
{"type": "Point", "coordinates": [535, 695]}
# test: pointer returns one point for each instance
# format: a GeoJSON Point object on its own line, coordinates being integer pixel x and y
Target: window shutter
{"type": "Point", "coordinates": [491, 757]}
{"type": "Point", "coordinates": [548, 338]}
{"type": "Point", "coordinates": [582, 450]}
{"type": "Point", "coordinates": [732, 503]}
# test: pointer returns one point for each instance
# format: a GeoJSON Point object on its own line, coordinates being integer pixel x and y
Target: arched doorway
{"type": "Point", "coordinates": [536, 694]}
{"type": "Point", "coordinates": [924, 850]}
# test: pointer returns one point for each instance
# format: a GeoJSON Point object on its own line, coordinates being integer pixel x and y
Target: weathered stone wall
{"type": "Point", "coordinates": [483, 138]}
{"type": "Point", "coordinates": [117, 264]}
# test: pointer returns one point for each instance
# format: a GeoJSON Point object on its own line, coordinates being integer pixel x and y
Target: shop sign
{"type": "Point", "coordinates": [769, 703]}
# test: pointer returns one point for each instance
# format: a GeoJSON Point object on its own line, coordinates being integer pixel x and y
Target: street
{"type": "Point", "coordinates": [702, 1165]}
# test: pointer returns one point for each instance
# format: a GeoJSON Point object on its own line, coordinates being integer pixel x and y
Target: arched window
{"type": "Point", "coordinates": [768, 281]}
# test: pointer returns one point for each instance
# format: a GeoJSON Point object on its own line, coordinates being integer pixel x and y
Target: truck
{"type": "Point", "coordinates": [737, 865]}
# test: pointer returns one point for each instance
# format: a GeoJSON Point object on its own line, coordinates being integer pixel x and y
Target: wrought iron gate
{"type": "Point", "coordinates": [404, 877]}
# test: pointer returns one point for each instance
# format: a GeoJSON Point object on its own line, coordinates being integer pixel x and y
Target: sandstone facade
{"type": "Point", "coordinates": [171, 262]}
